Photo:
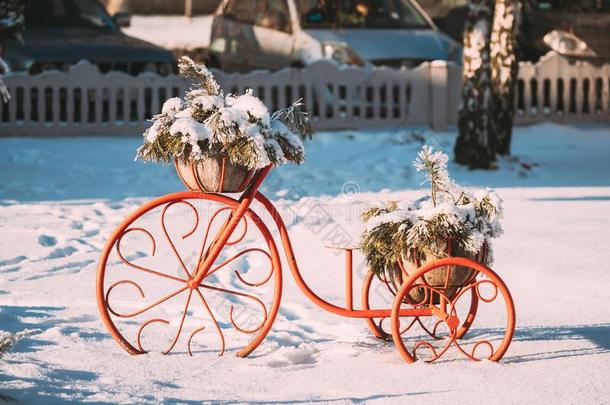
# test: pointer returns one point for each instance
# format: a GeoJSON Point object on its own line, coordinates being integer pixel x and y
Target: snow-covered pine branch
{"type": "Point", "coordinates": [188, 68]}
{"type": "Point", "coordinates": [435, 166]}
{"type": "Point", "coordinates": [8, 340]}
{"type": "Point", "coordinates": [296, 118]}
{"type": "Point", "coordinates": [208, 123]}
{"type": "Point", "coordinates": [425, 225]}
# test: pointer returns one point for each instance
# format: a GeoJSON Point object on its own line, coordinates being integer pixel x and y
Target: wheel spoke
{"type": "Point", "coordinates": [148, 275]}
{"type": "Point", "coordinates": [203, 251]}
{"type": "Point", "coordinates": [241, 294]}
{"type": "Point", "coordinates": [443, 300]}
{"type": "Point", "coordinates": [179, 332]}
{"type": "Point", "coordinates": [239, 276]}
{"type": "Point", "coordinates": [218, 329]}
{"type": "Point", "coordinates": [136, 266]}
{"type": "Point", "coordinates": [141, 311]}
{"type": "Point", "coordinates": [168, 237]}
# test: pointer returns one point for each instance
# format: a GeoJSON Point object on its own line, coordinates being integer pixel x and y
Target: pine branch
{"type": "Point", "coordinates": [427, 224]}
{"type": "Point", "coordinates": [207, 124]}
{"type": "Point", "coordinates": [188, 68]}
{"type": "Point", "coordinates": [377, 211]}
{"type": "Point", "coordinates": [296, 118]}
{"type": "Point", "coordinates": [435, 166]}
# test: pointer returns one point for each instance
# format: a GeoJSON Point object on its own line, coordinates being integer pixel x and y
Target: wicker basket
{"type": "Point", "coordinates": [214, 175]}
{"type": "Point", "coordinates": [437, 278]}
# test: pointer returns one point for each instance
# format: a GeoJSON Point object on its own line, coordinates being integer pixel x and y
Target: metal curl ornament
{"type": "Point", "coordinates": [270, 261]}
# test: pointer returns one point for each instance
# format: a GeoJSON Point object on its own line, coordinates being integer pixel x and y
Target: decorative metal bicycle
{"type": "Point", "coordinates": [426, 320]}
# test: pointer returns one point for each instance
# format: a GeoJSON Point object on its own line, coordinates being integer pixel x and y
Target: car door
{"type": "Point", "coordinates": [233, 36]}
{"type": "Point", "coordinates": [273, 35]}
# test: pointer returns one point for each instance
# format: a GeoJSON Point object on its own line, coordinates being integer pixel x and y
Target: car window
{"type": "Point", "coordinates": [360, 14]}
{"type": "Point", "coordinates": [66, 13]}
{"type": "Point", "coordinates": [273, 14]}
{"type": "Point", "coordinates": [241, 10]}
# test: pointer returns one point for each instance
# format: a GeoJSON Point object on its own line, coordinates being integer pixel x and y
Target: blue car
{"type": "Point", "coordinates": [59, 33]}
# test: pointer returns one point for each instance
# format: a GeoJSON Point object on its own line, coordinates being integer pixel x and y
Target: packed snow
{"type": "Point", "coordinates": [60, 199]}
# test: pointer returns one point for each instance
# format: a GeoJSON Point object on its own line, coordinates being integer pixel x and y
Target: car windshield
{"type": "Point", "coordinates": [66, 13]}
{"type": "Point", "coordinates": [586, 6]}
{"type": "Point", "coordinates": [360, 14]}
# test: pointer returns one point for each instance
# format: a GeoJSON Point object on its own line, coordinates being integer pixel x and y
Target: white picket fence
{"type": "Point", "coordinates": [85, 101]}
{"type": "Point", "coordinates": [556, 90]}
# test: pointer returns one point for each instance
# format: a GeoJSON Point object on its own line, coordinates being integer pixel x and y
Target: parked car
{"type": "Point", "coordinates": [272, 34]}
{"type": "Point", "coordinates": [59, 33]}
{"type": "Point", "coordinates": [574, 29]}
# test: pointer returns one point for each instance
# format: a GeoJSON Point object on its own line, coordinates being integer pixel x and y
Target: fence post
{"type": "Point", "coordinates": [439, 100]}
{"type": "Point", "coordinates": [188, 8]}
{"type": "Point", "coordinates": [454, 93]}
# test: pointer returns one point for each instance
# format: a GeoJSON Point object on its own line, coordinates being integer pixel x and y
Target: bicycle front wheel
{"type": "Point", "coordinates": [142, 286]}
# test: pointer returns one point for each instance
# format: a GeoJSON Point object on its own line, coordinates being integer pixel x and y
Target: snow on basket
{"type": "Point", "coordinates": [218, 142]}
{"type": "Point", "coordinates": [403, 236]}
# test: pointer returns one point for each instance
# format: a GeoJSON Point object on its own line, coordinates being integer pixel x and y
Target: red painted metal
{"type": "Point", "coordinates": [349, 279]}
{"type": "Point", "coordinates": [181, 287]}
{"type": "Point", "coordinates": [483, 276]}
{"type": "Point", "coordinates": [197, 281]}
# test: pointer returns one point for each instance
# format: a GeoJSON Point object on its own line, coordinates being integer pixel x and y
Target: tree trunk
{"type": "Point", "coordinates": [474, 146]}
{"type": "Point", "coordinates": [504, 71]}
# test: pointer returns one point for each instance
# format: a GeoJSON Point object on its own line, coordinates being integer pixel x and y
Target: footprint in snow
{"type": "Point", "coordinates": [91, 233]}
{"type": "Point", "coordinates": [61, 252]}
{"type": "Point", "coordinates": [47, 240]}
{"type": "Point", "coordinates": [12, 261]}
{"type": "Point", "coordinates": [374, 344]}
{"type": "Point", "coordinates": [10, 270]}
{"type": "Point", "coordinates": [68, 268]}
{"type": "Point", "coordinates": [76, 225]}
{"type": "Point", "coordinates": [289, 314]}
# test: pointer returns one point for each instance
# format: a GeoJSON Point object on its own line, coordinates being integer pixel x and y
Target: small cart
{"type": "Point", "coordinates": [425, 320]}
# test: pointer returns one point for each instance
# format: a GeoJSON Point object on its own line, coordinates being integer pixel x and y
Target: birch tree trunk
{"type": "Point", "coordinates": [474, 146]}
{"type": "Point", "coordinates": [504, 72]}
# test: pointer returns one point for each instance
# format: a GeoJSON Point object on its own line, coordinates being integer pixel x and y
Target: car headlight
{"type": "Point", "coordinates": [341, 53]}
{"type": "Point", "coordinates": [565, 43]}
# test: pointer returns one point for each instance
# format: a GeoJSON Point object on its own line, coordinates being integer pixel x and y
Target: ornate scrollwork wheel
{"type": "Point", "coordinates": [481, 306]}
{"type": "Point", "coordinates": [387, 289]}
{"type": "Point", "coordinates": [143, 291]}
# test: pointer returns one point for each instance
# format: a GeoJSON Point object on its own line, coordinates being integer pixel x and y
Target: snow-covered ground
{"type": "Point", "coordinates": [61, 198]}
